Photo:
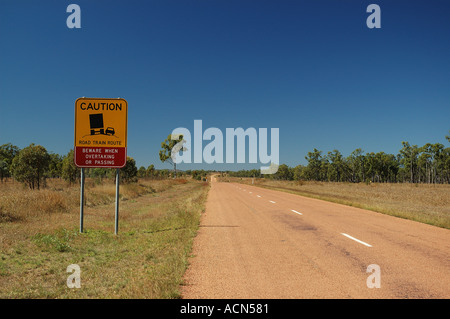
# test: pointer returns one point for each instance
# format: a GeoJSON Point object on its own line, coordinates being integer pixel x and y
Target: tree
{"type": "Point", "coordinates": [199, 175]}
{"type": "Point", "coordinates": [55, 165]}
{"type": "Point", "coordinates": [387, 167]}
{"type": "Point", "coordinates": [69, 171]}
{"type": "Point", "coordinates": [170, 147]}
{"type": "Point", "coordinates": [151, 172]}
{"type": "Point", "coordinates": [356, 163]}
{"type": "Point", "coordinates": [437, 162]}
{"type": "Point", "coordinates": [99, 172]}
{"type": "Point", "coordinates": [298, 172]}
{"type": "Point", "coordinates": [142, 172]}
{"type": "Point", "coordinates": [30, 165]}
{"type": "Point", "coordinates": [446, 165]}
{"type": "Point", "coordinates": [337, 166]}
{"type": "Point", "coordinates": [7, 154]}
{"type": "Point", "coordinates": [409, 159]}
{"type": "Point", "coordinates": [313, 169]}
{"type": "Point", "coordinates": [129, 171]}
{"type": "Point", "coordinates": [284, 173]}
{"type": "Point", "coordinates": [425, 163]}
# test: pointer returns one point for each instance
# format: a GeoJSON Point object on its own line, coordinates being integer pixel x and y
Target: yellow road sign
{"type": "Point", "coordinates": [100, 132]}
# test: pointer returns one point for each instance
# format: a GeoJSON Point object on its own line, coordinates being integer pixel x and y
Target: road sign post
{"type": "Point", "coordinates": [100, 140]}
{"type": "Point", "coordinates": [81, 199]}
{"type": "Point", "coordinates": [116, 228]}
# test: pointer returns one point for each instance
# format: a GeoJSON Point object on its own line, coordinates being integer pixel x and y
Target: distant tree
{"type": "Point", "coordinates": [387, 166]}
{"type": "Point", "coordinates": [69, 171]}
{"type": "Point", "coordinates": [324, 168]}
{"type": "Point", "coordinates": [313, 169]}
{"type": "Point", "coordinates": [336, 166]}
{"type": "Point", "coordinates": [7, 154]}
{"type": "Point", "coordinates": [446, 165]}
{"type": "Point", "coordinates": [142, 172]}
{"type": "Point", "coordinates": [169, 150]}
{"type": "Point", "coordinates": [409, 159]}
{"type": "Point", "coordinates": [284, 173]}
{"type": "Point", "coordinates": [164, 173]}
{"type": "Point", "coordinates": [30, 165]}
{"type": "Point", "coordinates": [4, 170]}
{"type": "Point", "coordinates": [99, 172]}
{"type": "Point", "coordinates": [356, 165]}
{"type": "Point", "coordinates": [255, 173]}
{"type": "Point", "coordinates": [55, 165]}
{"type": "Point", "coordinates": [129, 171]}
{"type": "Point", "coordinates": [298, 172]}
{"type": "Point", "coordinates": [151, 172]}
{"type": "Point", "coordinates": [372, 166]}
{"type": "Point", "coordinates": [199, 174]}
{"type": "Point", "coordinates": [437, 162]}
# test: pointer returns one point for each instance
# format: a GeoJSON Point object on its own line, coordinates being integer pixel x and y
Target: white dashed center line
{"type": "Point", "coordinates": [357, 240]}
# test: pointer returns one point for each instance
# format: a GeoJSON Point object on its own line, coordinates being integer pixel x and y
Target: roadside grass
{"type": "Point", "coordinates": [426, 203]}
{"type": "Point", "coordinates": [147, 259]}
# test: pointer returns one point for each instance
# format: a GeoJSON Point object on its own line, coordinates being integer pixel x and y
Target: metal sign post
{"type": "Point", "coordinates": [116, 228]}
{"type": "Point", "coordinates": [82, 200]}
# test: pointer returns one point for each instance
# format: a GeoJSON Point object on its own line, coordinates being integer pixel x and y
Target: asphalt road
{"type": "Point", "coordinates": [259, 243]}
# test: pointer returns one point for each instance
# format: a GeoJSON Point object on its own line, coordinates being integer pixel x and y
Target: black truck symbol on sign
{"type": "Point", "coordinates": [97, 127]}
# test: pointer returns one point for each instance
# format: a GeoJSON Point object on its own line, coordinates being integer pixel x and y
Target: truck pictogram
{"type": "Point", "coordinates": [97, 126]}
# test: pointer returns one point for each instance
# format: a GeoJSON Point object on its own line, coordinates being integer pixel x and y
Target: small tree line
{"type": "Point", "coordinates": [429, 163]}
{"type": "Point", "coordinates": [151, 172]}
{"type": "Point", "coordinates": [33, 164]}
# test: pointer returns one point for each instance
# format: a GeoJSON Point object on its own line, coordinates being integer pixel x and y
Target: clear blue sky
{"type": "Point", "coordinates": [310, 68]}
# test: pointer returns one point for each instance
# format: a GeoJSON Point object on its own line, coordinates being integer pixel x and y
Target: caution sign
{"type": "Point", "coordinates": [101, 132]}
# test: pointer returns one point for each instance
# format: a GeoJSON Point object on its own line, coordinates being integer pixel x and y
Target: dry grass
{"type": "Point", "coordinates": [39, 238]}
{"type": "Point", "coordinates": [420, 202]}
{"type": "Point", "coordinates": [18, 204]}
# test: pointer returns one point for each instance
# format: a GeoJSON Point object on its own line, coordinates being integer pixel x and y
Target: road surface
{"type": "Point", "coordinates": [259, 243]}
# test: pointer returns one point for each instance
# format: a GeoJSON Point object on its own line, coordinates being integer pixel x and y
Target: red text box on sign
{"type": "Point", "coordinates": [108, 157]}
